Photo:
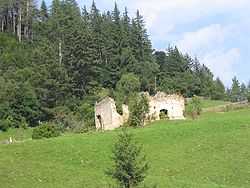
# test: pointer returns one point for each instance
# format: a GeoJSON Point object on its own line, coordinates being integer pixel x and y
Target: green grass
{"type": "Point", "coordinates": [17, 134]}
{"type": "Point", "coordinates": [206, 103]}
{"type": "Point", "coordinates": [210, 152]}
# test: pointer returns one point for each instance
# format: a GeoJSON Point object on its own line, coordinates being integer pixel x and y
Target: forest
{"type": "Point", "coordinates": [57, 61]}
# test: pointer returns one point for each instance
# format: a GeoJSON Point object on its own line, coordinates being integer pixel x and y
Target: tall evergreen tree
{"type": "Point", "coordinates": [85, 15]}
{"type": "Point", "coordinates": [219, 90]}
{"type": "Point", "coordinates": [243, 91]}
{"type": "Point", "coordinates": [235, 90]}
{"type": "Point", "coordinates": [44, 15]}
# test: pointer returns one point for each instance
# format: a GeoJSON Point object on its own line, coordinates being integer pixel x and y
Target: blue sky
{"type": "Point", "coordinates": [216, 31]}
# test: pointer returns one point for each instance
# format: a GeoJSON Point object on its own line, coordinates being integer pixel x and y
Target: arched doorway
{"type": "Point", "coordinates": [99, 117]}
{"type": "Point", "coordinates": [164, 114]}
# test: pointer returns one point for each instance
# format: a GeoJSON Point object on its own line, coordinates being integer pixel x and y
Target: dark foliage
{"type": "Point", "coordinates": [45, 131]}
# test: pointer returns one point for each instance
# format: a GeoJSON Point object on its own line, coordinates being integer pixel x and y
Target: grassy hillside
{"type": "Point", "coordinates": [17, 134]}
{"type": "Point", "coordinates": [211, 152]}
{"type": "Point", "coordinates": [206, 103]}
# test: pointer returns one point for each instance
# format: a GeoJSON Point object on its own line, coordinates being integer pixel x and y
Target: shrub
{"type": "Point", "coordinates": [79, 121]}
{"type": "Point", "coordinates": [128, 85]}
{"type": "Point", "coordinates": [5, 124]}
{"type": "Point", "coordinates": [139, 107]}
{"type": "Point", "coordinates": [23, 124]}
{"type": "Point", "coordinates": [248, 98]}
{"type": "Point", "coordinates": [45, 130]}
{"type": "Point", "coordinates": [86, 114]}
{"type": "Point", "coordinates": [194, 107]}
{"type": "Point", "coordinates": [163, 115]}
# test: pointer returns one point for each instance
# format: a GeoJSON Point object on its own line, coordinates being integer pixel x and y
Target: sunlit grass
{"type": "Point", "coordinates": [212, 151]}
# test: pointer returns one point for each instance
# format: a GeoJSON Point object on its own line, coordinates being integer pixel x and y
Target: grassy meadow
{"type": "Point", "coordinates": [206, 103]}
{"type": "Point", "coordinates": [210, 152]}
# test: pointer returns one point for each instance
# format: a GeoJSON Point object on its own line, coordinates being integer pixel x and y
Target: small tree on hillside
{"type": "Point", "coordinates": [130, 164]}
{"type": "Point", "coordinates": [219, 90]}
{"type": "Point", "coordinates": [248, 97]}
{"type": "Point", "coordinates": [194, 107]}
{"type": "Point", "coordinates": [235, 91]}
{"type": "Point", "coordinates": [139, 107]}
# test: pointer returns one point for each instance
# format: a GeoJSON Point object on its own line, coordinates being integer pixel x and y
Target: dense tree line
{"type": "Point", "coordinates": [56, 62]}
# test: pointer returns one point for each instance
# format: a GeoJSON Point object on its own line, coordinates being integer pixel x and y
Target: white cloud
{"type": "Point", "coordinates": [168, 12]}
{"type": "Point", "coordinates": [202, 40]}
{"type": "Point", "coordinates": [208, 44]}
{"type": "Point", "coordinates": [222, 63]}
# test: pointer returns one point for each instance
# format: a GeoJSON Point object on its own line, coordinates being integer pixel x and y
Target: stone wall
{"type": "Point", "coordinates": [174, 105]}
{"type": "Point", "coordinates": [107, 117]}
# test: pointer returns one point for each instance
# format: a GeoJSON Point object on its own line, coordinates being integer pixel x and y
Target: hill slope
{"type": "Point", "coordinates": [212, 151]}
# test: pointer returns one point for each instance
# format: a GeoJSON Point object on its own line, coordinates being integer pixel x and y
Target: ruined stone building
{"type": "Point", "coordinates": [173, 106]}
{"type": "Point", "coordinates": [107, 117]}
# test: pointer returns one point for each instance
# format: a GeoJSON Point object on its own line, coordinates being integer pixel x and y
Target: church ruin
{"type": "Point", "coordinates": [170, 106]}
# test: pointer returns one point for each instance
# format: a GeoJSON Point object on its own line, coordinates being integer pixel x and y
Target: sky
{"type": "Point", "coordinates": [217, 32]}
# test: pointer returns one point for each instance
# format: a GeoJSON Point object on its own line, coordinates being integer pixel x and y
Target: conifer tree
{"type": "Point", "coordinates": [219, 90]}
{"type": "Point", "coordinates": [44, 15]}
{"type": "Point", "coordinates": [130, 165]}
{"type": "Point", "coordinates": [85, 16]}
{"type": "Point", "coordinates": [235, 90]}
{"type": "Point", "coordinates": [243, 92]}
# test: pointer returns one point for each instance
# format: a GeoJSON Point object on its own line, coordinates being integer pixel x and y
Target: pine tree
{"type": "Point", "coordinates": [44, 15]}
{"type": "Point", "coordinates": [219, 90]}
{"type": "Point", "coordinates": [126, 28]}
{"type": "Point", "coordinates": [130, 164]}
{"type": "Point", "coordinates": [243, 92]}
{"type": "Point", "coordinates": [235, 90]}
{"type": "Point", "coordinates": [55, 30]}
{"type": "Point", "coordinates": [85, 16]}
{"type": "Point", "coordinates": [248, 86]}
{"type": "Point", "coordinates": [176, 73]}
{"type": "Point", "coordinates": [96, 24]}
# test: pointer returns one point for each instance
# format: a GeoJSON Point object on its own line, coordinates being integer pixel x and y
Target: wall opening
{"type": "Point", "coordinates": [99, 117]}
{"type": "Point", "coordinates": [164, 114]}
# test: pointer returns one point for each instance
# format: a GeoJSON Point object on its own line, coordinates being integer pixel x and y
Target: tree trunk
{"type": "Point", "coordinates": [60, 52]}
{"type": "Point", "coordinates": [19, 26]}
{"type": "Point", "coordinates": [26, 26]}
{"type": "Point", "coordinates": [14, 21]}
{"type": "Point", "coordinates": [2, 24]}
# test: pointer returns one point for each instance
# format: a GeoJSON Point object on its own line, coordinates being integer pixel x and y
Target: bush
{"type": "Point", "coordinates": [163, 115]}
{"type": "Point", "coordinates": [194, 107]}
{"type": "Point", "coordinates": [45, 130]}
{"type": "Point", "coordinates": [86, 113]}
{"type": "Point", "coordinates": [139, 107]}
{"type": "Point", "coordinates": [23, 124]}
{"type": "Point", "coordinates": [128, 85]}
{"type": "Point", "coordinates": [248, 98]}
{"type": "Point", "coordinates": [79, 121]}
{"type": "Point", "coordinates": [5, 124]}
